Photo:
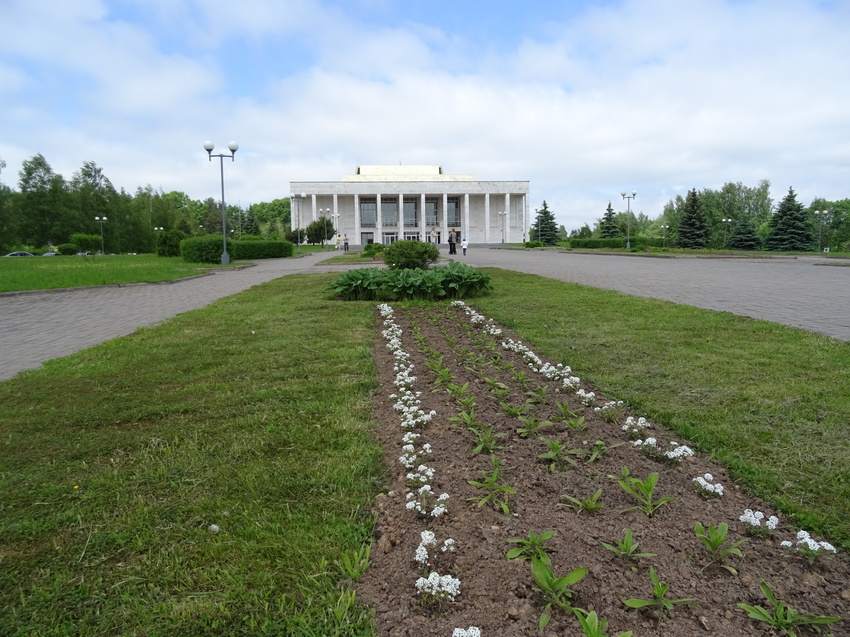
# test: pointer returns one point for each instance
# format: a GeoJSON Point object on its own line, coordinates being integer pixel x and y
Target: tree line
{"type": "Point", "coordinates": [46, 210]}
{"type": "Point", "coordinates": [735, 217]}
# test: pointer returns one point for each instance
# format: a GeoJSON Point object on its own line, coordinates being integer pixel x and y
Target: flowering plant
{"type": "Point", "coordinates": [707, 488]}
{"type": "Point", "coordinates": [425, 503]}
{"type": "Point", "coordinates": [431, 558]}
{"type": "Point", "coordinates": [752, 519]}
{"type": "Point", "coordinates": [635, 428]}
{"type": "Point", "coordinates": [472, 631]}
{"type": "Point", "coordinates": [676, 453]}
{"type": "Point", "coordinates": [437, 588]}
{"type": "Point", "coordinates": [808, 547]}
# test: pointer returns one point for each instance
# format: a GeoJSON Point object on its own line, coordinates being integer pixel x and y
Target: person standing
{"type": "Point", "coordinates": [434, 235]}
{"type": "Point", "coordinates": [345, 242]}
{"type": "Point", "coordinates": [452, 242]}
{"type": "Point", "coordinates": [464, 245]}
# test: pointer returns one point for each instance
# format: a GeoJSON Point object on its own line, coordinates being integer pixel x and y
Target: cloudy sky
{"type": "Point", "coordinates": [582, 98]}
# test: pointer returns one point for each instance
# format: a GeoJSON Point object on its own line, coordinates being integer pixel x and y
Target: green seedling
{"type": "Point", "coordinates": [538, 396]}
{"type": "Point", "coordinates": [465, 418]}
{"type": "Point", "coordinates": [589, 504]}
{"type": "Point", "coordinates": [458, 391]}
{"type": "Point", "coordinates": [532, 426]}
{"type": "Point", "coordinates": [556, 590]}
{"type": "Point", "coordinates": [522, 379]}
{"type": "Point", "coordinates": [493, 384]}
{"type": "Point", "coordinates": [486, 441]}
{"type": "Point", "coordinates": [593, 625]}
{"type": "Point", "coordinates": [783, 617]}
{"type": "Point", "coordinates": [627, 549]}
{"type": "Point", "coordinates": [444, 376]}
{"type": "Point", "coordinates": [533, 547]}
{"type": "Point", "coordinates": [556, 457]}
{"type": "Point", "coordinates": [514, 412]}
{"type": "Point", "coordinates": [713, 539]}
{"type": "Point", "coordinates": [659, 599]}
{"type": "Point", "coordinates": [576, 423]}
{"type": "Point", "coordinates": [642, 490]}
{"type": "Point", "coordinates": [495, 496]}
{"type": "Point", "coordinates": [467, 402]}
{"type": "Point", "coordinates": [597, 451]}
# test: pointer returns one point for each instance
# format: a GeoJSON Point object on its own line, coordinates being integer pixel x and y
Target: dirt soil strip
{"type": "Point", "coordinates": [497, 594]}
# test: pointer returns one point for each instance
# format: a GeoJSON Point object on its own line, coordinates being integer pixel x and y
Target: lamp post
{"type": "Point", "coordinates": [335, 221]}
{"type": "Point", "coordinates": [233, 146]}
{"type": "Point", "coordinates": [664, 242]}
{"type": "Point", "coordinates": [628, 199]}
{"type": "Point", "coordinates": [101, 220]}
{"type": "Point", "coordinates": [502, 224]}
{"type": "Point", "coordinates": [819, 214]}
{"type": "Point", "coordinates": [726, 223]}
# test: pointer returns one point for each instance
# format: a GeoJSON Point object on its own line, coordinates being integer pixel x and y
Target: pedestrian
{"type": "Point", "coordinates": [464, 244]}
{"type": "Point", "coordinates": [345, 242]}
{"type": "Point", "coordinates": [338, 241]}
{"type": "Point", "coordinates": [434, 235]}
{"type": "Point", "coordinates": [452, 242]}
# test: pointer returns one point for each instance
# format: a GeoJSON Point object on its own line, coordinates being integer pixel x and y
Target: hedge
{"type": "Point", "coordinates": [207, 249]}
{"type": "Point", "coordinates": [617, 242]}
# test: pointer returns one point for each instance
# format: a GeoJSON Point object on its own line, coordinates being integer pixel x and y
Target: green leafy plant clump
{"type": "Point", "coordinates": [452, 281]}
{"type": "Point", "coordinates": [410, 255]}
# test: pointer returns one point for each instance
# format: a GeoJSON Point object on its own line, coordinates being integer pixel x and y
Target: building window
{"type": "Point", "coordinates": [366, 238]}
{"type": "Point", "coordinates": [453, 212]}
{"type": "Point", "coordinates": [411, 236]}
{"type": "Point", "coordinates": [410, 220]}
{"type": "Point", "coordinates": [390, 238]}
{"type": "Point", "coordinates": [431, 216]}
{"type": "Point", "coordinates": [368, 212]}
{"type": "Point", "coordinates": [389, 211]}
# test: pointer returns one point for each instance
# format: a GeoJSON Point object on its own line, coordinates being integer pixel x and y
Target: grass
{"type": "Point", "coordinates": [46, 273]}
{"type": "Point", "coordinates": [349, 257]}
{"type": "Point", "coordinates": [769, 401]}
{"type": "Point", "coordinates": [252, 414]}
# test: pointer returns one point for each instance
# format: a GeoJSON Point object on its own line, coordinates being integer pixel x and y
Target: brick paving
{"type": "Point", "coordinates": [800, 292]}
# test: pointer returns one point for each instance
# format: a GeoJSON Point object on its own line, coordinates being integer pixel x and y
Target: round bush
{"type": "Point", "coordinates": [67, 248]}
{"type": "Point", "coordinates": [410, 255]}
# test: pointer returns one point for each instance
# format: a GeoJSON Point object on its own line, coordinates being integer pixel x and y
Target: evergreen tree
{"type": "Point", "coordinates": [608, 224]}
{"type": "Point", "coordinates": [744, 235]}
{"type": "Point", "coordinates": [249, 224]}
{"type": "Point", "coordinates": [544, 228]}
{"type": "Point", "coordinates": [790, 229]}
{"type": "Point", "coordinates": [693, 229]}
{"type": "Point", "coordinates": [320, 231]}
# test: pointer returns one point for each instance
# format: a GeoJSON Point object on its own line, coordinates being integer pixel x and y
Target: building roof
{"type": "Point", "coordinates": [403, 172]}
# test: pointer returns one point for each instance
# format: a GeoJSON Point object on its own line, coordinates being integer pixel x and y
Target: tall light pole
{"type": "Point", "coordinates": [101, 220]}
{"type": "Point", "coordinates": [322, 213]}
{"type": "Point", "coordinates": [726, 223]}
{"type": "Point", "coordinates": [335, 221]}
{"type": "Point", "coordinates": [233, 146]}
{"type": "Point", "coordinates": [628, 199]}
{"type": "Point", "coordinates": [502, 219]}
{"type": "Point", "coordinates": [664, 242]}
{"type": "Point", "coordinates": [819, 214]}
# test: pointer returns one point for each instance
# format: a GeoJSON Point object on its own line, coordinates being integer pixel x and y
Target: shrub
{"type": "Point", "coordinates": [67, 248]}
{"type": "Point", "coordinates": [260, 249]}
{"type": "Point", "coordinates": [534, 244]}
{"type": "Point", "coordinates": [453, 281]}
{"type": "Point", "coordinates": [252, 237]}
{"type": "Point", "coordinates": [205, 249]}
{"type": "Point", "coordinates": [410, 255]}
{"type": "Point", "coordinates": [86, 242]}
{"type": "Point", "coordinates": [373, 250]}
{"type": "Point", "coordinates": [168, 243]}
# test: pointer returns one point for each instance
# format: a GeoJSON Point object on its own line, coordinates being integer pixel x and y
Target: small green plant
{"type": "Point", "coordinates": [534, 547]}
{"type": "Point", "coordinates": [514, 412]}
{"type": "Point", "coordinates": [627, 549]}
{"type": "Point", "coordinates": [521, 378]}
{"type": "Point", "coordinates": [783, 617]}
{"type": "Point", "coordinates": [494, 385]}
{"type": "Point", "coordinates": [458, 391]}
{"type": "Point", "coordinates": [467, 402]}
{"type": "Point", "coordinates": [486, 441]}
{"type": "Point", "coordinates": [443, 375]}
{"type": "Point", "coordinates": [593, 625]}
{"type": "Point", "coordinates": [577, 423]}
{"type": "Point", "coordinates": [597, 451]}
{"type": "Point", "coordinates": [556, 590]}
{"type": "Point", "coordinates": [589, 504]}
{"type": "Point", "coordinates": [642, 490]}
{"type": "Point", "coordinates": [659, 597]}
{"type": "Point", "coordinates": [564, 411]}
{"type": "Point", "coordinates": [556, 457]}
{"type": "Point", "coordinates": [495, 496]}
{"type": "Point", "coordinates": [713, 539]}
{"type": "Point", "coordinates": [355, 562]}
{"type": "Point", "coordinates": [465, 418]}
{"type": "Point", "coordinates": [532, 426]}
{"type": "Point", "coordinates": [538, 396]}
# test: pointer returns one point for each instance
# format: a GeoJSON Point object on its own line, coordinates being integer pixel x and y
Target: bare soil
{"type": "Point", "coordinates": [498, 594]}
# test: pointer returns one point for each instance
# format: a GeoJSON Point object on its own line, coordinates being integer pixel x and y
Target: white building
{"type": "Point", "coordinates": [385, 203]}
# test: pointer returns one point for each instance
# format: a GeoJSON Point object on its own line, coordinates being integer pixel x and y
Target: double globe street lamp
{"type": "Point", "coordinates": [233, 146]}
{"type": "Point", "coordinates": [628, 199]}
{"type": "Point", "coordinates": [101, 220]}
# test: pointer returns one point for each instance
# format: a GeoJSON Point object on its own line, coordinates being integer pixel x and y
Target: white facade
{"type": "Point", "coordinates": [366, 205]}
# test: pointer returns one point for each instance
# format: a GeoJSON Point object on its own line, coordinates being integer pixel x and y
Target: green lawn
{"type": "Point", "coordinates": [46, 273]}
{"type": "Point", "coordinates": [253, 414]}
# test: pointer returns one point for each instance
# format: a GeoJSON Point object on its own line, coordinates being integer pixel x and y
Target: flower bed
{"type": "Point", "coordinates": [453, 382]}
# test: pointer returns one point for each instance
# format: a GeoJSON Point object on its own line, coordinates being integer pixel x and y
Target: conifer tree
{"type": "Point", "coordinates": [790, 230]}
{"type": "Point", "coordinates": [744, 235]}
{"type": "Point", "coordinates": [693, 229]}
{"type": "Point", "coordinates": [608, 225]}
{"type": "Point", "coordinates": [544, 228]}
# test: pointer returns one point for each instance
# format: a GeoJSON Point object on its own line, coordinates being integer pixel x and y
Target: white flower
{"type": "Point", "coordinates": [786, 544]}
{"type": "Point", "coordinates": [772, 522]}
{"type": "Point", "coordinates": [472, 631]}
{"type": "Point", "coordinates": [439, 586]}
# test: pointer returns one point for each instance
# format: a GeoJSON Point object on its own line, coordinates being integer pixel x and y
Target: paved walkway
{"type": "Point", "coordinates": [799, 292]}
{"type": "Point", "coordinates": [809, 292]}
